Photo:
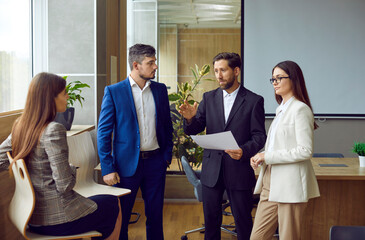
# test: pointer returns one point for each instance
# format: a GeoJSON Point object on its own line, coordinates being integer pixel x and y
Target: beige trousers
{"type": "Point", "coordinates": [269, 214]}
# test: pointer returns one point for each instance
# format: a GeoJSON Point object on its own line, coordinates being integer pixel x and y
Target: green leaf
{"type": "Point", "coordinates": [205, 70]}
{"type": "Point", "coordinates": [195, 76]}
{"type": "Point", "coordinates": [174, 97]}
{"type": "Point", "coordinates": [191, 102]}
{"type": "Point", "coordinates": [186, 85]}
{"type": "Point", "coordinates": [196, 68]}
{"type": "Point", "coordinates": [175, 114]}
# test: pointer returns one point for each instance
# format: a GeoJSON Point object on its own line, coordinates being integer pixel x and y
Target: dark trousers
{"type": "Point", "coordinates": [150, 177]}
{"type": "Point", "coordinates": [102, 220]}
{"type": "Point", "coordinates": [241, 206]}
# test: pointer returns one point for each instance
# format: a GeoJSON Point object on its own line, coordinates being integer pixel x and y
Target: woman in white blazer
{"type": "Point", "coordinates": [287, 178]}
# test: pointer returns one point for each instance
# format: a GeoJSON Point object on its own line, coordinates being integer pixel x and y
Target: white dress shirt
{"type": "Point", "coordinates": [228, 100]}
{"type": "Point", "coordinates": [146, 114]}
{"type": "Point", "coordinates": [274, 126]}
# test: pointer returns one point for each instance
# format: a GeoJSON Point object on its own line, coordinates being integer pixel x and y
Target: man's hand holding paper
{"type": "Point", "coordinates": [220, 141]}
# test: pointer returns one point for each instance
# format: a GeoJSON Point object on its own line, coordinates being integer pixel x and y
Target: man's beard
{"type": "Point", "coordinates": [229, 84]}
{"type": "Point", "coordinates": [146, 78]}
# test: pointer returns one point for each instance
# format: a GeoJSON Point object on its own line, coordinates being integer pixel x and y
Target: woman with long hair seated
{"type": "Point", "coordinates": [41, 142]}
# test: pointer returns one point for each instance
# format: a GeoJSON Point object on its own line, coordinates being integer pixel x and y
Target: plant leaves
{"type": "Point", "coordinates": [196, 68]}
{"type": "Point", "coordinates": [195, 76]}
{"type": "Point", "coordinates": [73, 89]}
{"type": "Point", "coordinates": [174, 97]}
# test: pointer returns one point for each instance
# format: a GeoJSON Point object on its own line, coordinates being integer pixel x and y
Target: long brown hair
{"type": "Point", "coordinates": [297, 79]}
{"type": "Point", "coordinates": [40, 109]}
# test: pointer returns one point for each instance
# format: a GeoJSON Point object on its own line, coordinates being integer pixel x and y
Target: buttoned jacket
{"type": "Point", "coordinates": [246, 121]}
{"type": "Point", "coordinates": [118, 133]}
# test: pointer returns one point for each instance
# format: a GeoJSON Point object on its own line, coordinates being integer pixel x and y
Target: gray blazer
{"type": "Point", "coordinates": [53, 179]}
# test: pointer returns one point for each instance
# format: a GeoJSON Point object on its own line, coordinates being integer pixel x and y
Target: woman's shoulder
{"type": "Point", "coordinates": [300, 106]}
{"type": "Point", "coordinates": [54, 128]}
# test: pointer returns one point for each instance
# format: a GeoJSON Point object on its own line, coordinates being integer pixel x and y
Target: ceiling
{"type": "Point", "coordinates": [200, 13]}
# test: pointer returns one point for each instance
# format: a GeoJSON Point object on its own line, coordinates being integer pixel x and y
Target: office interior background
{"type": "Point", "coordinates": [88, 41]}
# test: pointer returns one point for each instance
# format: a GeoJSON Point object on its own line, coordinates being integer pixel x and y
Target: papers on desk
{"type": "Point", "coordinates": [216, 141]}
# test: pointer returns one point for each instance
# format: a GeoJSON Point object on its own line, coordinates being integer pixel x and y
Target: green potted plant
{"type": "Point", "coordinates": [184, 144]}
{"type": "Point", "coordinates": [73, 89]}
{"type": "Point", "coordinates": [359, 148]}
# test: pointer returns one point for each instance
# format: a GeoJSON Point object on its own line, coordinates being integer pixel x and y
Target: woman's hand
{"type": "Point", "coordinates": [257, 160]}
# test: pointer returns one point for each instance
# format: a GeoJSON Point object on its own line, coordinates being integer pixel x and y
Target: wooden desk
{"type": "Point", "coordinates": [342, 200]}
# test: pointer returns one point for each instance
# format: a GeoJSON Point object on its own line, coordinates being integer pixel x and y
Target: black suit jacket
{"type": "Point", "coordinates": [247, 124]}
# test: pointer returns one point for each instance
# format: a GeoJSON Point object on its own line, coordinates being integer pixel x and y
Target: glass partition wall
{"type": "Point", "coordinates": [186, 33]}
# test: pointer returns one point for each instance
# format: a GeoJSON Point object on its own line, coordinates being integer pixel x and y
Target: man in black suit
{"type": "Point", "coordinates": [228, 108]}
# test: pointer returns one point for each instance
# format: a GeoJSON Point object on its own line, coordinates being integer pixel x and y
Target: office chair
{"type": "Point", "coordinates": [82, 154]}
{"type": "Point", "coordinates": [347, 232]}
{"type": "Point", "coordinates": [22, 205]}
{"type": "Point", "coordinates": [193, 178]}
{"type": "Point", "coordinates": [328, 155]}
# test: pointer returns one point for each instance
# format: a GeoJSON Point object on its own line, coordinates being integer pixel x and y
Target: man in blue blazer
{"type": "Point", "coordinates": [228, 108]}
{"type": "Point", "coordinates": [135, 139]}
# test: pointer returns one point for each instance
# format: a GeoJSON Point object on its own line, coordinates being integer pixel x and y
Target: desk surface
{"type": "Point", "coordinates": [352, 172]}
{"type": "Point", "coordinates": [77, 129]}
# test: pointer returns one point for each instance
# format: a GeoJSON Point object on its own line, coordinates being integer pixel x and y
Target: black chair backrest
{"type": "Point", "coordinates": [347, 232]}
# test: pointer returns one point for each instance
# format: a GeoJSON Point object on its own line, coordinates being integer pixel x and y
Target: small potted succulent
{"type": "Point", "coordinates": [359, 148]}
{"type": "Point", "coordinates": [73, 89]}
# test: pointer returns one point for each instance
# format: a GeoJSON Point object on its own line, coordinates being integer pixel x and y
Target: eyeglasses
{"type": "Point", "coordinates": [277, 80]}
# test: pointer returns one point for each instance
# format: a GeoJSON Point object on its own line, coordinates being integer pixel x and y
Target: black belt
{"type": "Point", "coordinates": [148, 154]}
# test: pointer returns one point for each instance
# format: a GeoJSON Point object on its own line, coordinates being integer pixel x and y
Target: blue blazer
{"type": "Point", "coordinates": [118, 135]}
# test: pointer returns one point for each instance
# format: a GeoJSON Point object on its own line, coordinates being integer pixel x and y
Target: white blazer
{"type": "Point", "coordinates": [292, 175]}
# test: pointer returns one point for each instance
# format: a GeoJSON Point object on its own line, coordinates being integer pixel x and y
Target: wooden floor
{"type": "Point", "coordinates": [178, 218]}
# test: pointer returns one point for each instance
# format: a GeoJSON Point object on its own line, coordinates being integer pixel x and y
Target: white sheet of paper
{"type": "Point", "coordinates": [216, 141]}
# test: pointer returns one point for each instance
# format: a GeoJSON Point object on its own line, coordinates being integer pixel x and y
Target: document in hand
{"type": "Point", "coordinates": [216, 141]}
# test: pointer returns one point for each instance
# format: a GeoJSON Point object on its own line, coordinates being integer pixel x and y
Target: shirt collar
{"type": "Point", "coordinates": [133, 83]}
{"type": "Point", "coordinates": [233, 94]}
{"type": "Point", "coordinates": [283, 106]}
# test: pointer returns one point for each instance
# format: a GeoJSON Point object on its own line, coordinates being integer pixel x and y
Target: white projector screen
{"type": "Point", "coordinates": [325, 37]}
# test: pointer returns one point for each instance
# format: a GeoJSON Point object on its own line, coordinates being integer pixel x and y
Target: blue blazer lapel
{"type": "Point", "coordinates": [240, 99]}
{"type": "Point", "coordinates": [127, 90]}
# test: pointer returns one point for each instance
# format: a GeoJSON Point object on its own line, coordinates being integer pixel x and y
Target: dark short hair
{"type": "Point", "coordinates": [138, 52]}
{"type": "Point", "coordinates": [234, 60]}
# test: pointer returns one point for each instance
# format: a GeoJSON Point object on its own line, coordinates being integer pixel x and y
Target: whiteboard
{"type": "Point", "coordinates": [325, 37]}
